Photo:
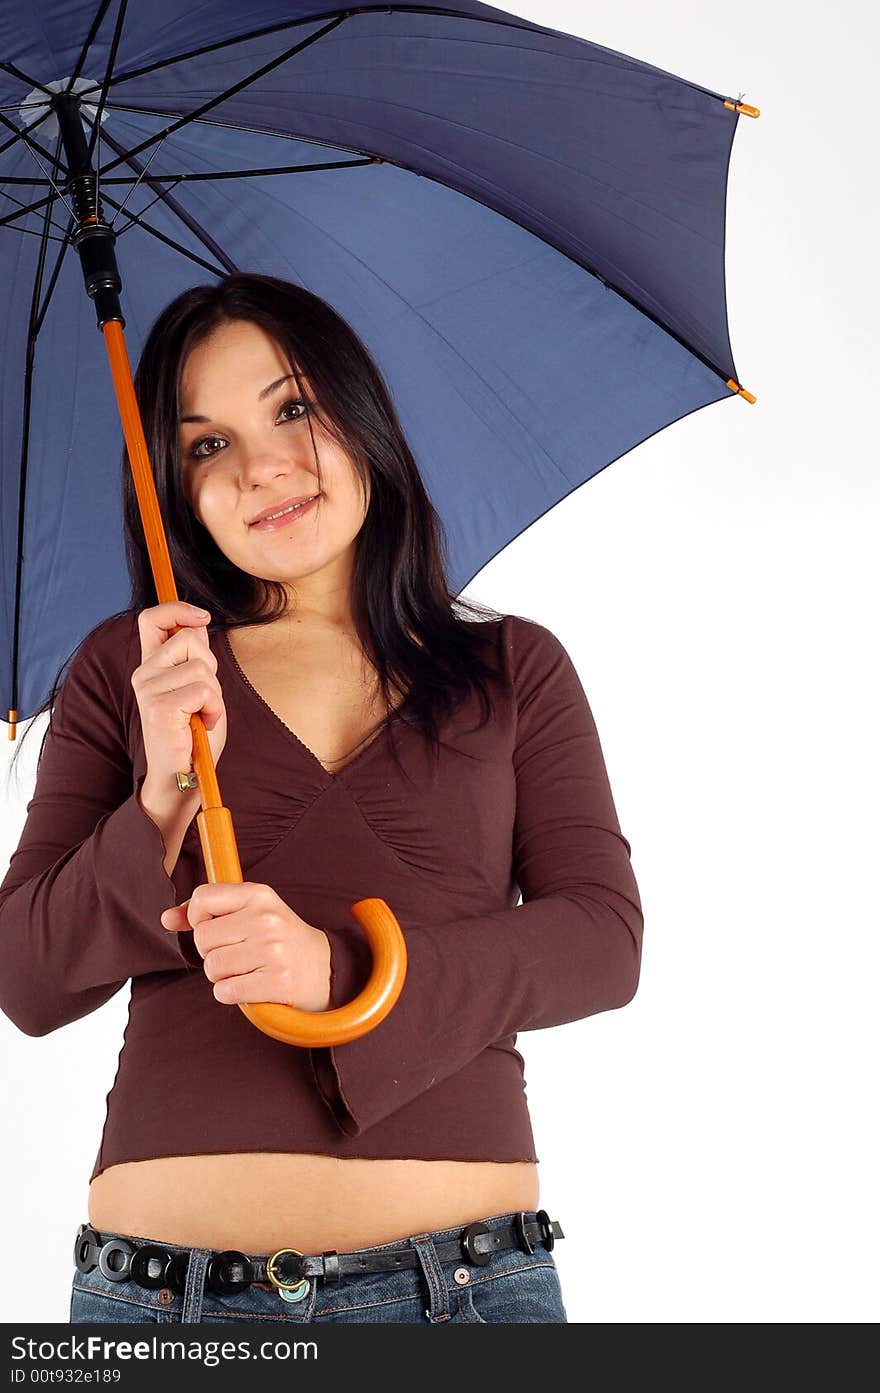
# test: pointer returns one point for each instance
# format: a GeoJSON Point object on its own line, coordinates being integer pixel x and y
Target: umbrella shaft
{"type": "Point", "coordinates": [94, 239]}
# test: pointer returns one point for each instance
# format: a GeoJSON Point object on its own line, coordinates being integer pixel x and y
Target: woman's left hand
{"type": "Point", "coordinates": [255, 947]}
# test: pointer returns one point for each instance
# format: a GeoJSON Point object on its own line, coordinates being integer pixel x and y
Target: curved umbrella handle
{"type": "Point", "coordinates": [288, 1023]}
{"type": "Point", "coordinates": [371, 1006]}
{"type": "Point", "coordinates": [285, 1023]}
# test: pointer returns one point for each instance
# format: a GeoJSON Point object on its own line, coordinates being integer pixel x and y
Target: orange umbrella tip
{"type": "Point", "coordinates": [743, 109]}
{"type": "Point", "coordinates": [735, 387]}
{"type": "Point", "coordinates": [12, 717]}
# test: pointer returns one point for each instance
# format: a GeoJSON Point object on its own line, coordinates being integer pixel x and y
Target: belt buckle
{"type": "Point", "coordinates": [288, 1291]}
{"type": "Point", "coordinates": [478, 1257]}
{"type": "Point", "coordinates": [519, 1228]}
{"type": "Point", "coordinates": [86, 1248]}
{"type": "Point", "coordinates": [215, 1274]}
{"type": "Point", "coordinates": [548, 1237]}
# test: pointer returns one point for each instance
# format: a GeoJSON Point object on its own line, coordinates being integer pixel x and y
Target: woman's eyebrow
{"type": "Point", "coordinates": [266, 392]}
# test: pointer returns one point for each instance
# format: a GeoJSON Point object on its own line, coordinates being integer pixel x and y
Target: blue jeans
{"type": "Point", "coordinates": [513, 1286]}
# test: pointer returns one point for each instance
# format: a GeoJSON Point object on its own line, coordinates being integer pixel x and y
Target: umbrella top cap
{"type": "Point", "coordinates": [37, 107]}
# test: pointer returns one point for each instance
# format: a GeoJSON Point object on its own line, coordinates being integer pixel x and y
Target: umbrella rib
{"type": "Point", "coordinates": [47, 236]}
{"type": "Point", "coordinates": [255, 173]}
{"type": "Point", "coordinates": [214, 174]}
{"type": "Point", "coordinates": [105, 85]}
{"type": "Point", "coordinates": [32, 146]}
{"type": "Point", "coordinates": [508, 22]}
{"type": "Point", "coordinates": [286, 169]}
{"type": "Point", "coordinates": [34, 321]}
{"type": "Point", "coordinates": [113, 145]}
{"type": "Point", "coordinates": [90, 38]}
{"type": "Point", "coordinates": [186, 218]}
{"type": "Point", "coordinates": [163, 63]}
{"type": "Point", "coordinates": [251, 130]}
{"type": "Point", "coordinates": [169, 241]}
{"type": "Point", "coordinates": [27, 208]}
{"type": "Point", "coordinates": [230, 91]}
{"type": "Point", "coordinates": [24, 208]}
{"type": "Point", "coordinates": [22, 135]}
{"type": "Point", "coordinates": [131, 217]}
{"type": "Point", "coordinates": [175, 125]}
{"type": "Point", "coordinates": [23, 77]}
{"type": "Point", "coordinates": [55, 274]}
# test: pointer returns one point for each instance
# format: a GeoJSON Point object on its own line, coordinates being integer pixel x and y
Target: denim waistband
{"type": "Point", "coordinates": [152, 1263]}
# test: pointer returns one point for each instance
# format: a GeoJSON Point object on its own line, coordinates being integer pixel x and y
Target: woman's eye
{"type": "Point", "coordinates": [295, 402]}
{"type": "Point", "coordinates": [194, 452]}
{"type": "Point", "coordinates": [212, 439]}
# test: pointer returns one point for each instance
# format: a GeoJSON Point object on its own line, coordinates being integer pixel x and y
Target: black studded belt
{"type": "Point", "coordinates": [153, 1265]}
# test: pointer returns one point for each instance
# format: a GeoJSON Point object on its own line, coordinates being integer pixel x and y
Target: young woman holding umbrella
{"type": "Point", "coordinates": [371, 738]}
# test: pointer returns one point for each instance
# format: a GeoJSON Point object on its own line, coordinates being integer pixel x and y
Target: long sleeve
{"type": "Point", "coordinates": [80, 903]}
{"type": "Point", "coordinates": [570, 950]}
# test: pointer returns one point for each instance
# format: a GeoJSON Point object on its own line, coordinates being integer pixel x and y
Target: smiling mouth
{"type": "Point", "coordinates": [286, 516]}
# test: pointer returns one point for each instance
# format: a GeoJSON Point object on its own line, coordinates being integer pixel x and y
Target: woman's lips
{"type": "Point", "coordinates": [273, 524]}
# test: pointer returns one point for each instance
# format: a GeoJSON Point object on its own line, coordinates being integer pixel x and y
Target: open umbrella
{"type": "Point", "coordinates": [530, 219]}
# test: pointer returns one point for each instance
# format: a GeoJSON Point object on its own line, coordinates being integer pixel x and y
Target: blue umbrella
{"type": "Point", "coordinates": [530, 219]}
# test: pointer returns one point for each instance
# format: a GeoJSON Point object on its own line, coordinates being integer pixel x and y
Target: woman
{"type": "Point", "coordinates": [379, 744]}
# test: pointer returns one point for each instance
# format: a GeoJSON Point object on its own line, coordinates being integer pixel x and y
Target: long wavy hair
{"type": "Point", "coordinates": [403, 609]}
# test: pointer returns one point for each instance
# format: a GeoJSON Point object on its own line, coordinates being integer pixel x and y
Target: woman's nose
{"type": "Point", "coordinates": [260, 462]}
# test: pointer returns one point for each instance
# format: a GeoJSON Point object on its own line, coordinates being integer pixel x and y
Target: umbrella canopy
{"type": "Point", "coordinates": [525, 228]}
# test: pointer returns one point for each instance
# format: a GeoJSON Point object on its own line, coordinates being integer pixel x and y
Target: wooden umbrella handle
{"type": "Point", "coordinates": [285, 1023]}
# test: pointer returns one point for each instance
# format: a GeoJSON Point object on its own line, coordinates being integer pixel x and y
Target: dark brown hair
{"type": "Point", "coordinates": [403, 609]}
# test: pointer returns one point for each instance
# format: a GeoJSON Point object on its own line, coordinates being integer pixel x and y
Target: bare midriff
{"type": "Point", "coordinates": [261, 1201]}
{"type": "Point", "coordinates": [317, 682]}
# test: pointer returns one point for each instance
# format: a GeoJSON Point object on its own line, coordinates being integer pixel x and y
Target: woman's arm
{"type": "Point", "coordinates": [81, 900]}
{"type": "Point", "coordinates": [570, 950]}
{"type": "Point", "coordinates": [172, 816]}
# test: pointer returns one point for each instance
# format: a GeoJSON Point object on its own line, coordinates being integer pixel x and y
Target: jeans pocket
{"type": "Point", "coordinates": [90, 1307]}
{"type": "Point", "coordinates": [526, 1292]}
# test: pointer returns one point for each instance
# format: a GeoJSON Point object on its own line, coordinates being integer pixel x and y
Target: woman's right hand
{"type": "Point", "coordinates": [177, 677]}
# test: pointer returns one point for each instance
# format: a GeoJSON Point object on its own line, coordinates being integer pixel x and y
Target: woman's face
{"type": "Point", "coordinates": [253, 452]}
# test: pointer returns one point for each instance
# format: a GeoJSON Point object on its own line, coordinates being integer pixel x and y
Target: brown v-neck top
{"type": "Point", "coordinates": [521, 807]}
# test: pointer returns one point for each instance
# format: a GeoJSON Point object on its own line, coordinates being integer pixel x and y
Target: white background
{"type": "Point", "coordinates": [709, 1149]}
